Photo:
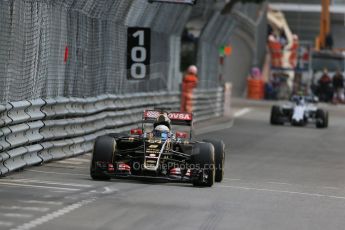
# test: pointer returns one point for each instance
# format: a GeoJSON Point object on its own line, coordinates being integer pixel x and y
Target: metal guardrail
{"type": "Point", "coordinates": [208, 103]}
{"type": "Point", "coordinates": [37, 131]}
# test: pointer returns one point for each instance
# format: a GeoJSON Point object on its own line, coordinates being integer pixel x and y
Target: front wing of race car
{"type": "Point", "coordinates": [124, 171]}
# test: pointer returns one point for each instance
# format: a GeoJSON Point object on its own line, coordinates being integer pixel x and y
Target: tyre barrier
{"type": "Point", "coordinates": [33, 132]}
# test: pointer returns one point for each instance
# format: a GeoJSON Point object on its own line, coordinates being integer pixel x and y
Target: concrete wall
{"type": "Point", "coordinates": [237, 66]}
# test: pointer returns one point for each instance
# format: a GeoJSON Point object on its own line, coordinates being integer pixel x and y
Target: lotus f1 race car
{"type": "Point", "coordinates": [299, 112]}
{"type": "Point", "coordinates": [159, 153]}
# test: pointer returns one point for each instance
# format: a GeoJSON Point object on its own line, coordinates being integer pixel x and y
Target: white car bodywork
{"type": "Point", "coordinates": [301, 110]}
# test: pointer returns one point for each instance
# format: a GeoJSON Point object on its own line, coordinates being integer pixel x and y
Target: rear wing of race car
{"type": "Point", "coordinates": [177, 118]}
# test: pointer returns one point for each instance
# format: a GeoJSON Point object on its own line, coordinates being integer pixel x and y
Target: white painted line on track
{"type": "Point", "coordinates": [51, 183]}
{"type": "Point", "coordinates": [51, 216]}
{"type": "Point", "coordinates": [242, 112]}
{"type": "Point", "coordinates": [17, 215]}
{"type": "Point", "coordinates": [6, 223]}
{"type": "Point", "coordinates": [65, 166]}
{"type": "Point", "coordinates": [231, 179]}
{"type": "Point", "coordinates": [281, 183]}
{"type": "Point", "coordinates": [109, 190]}
{"type": "Point", "coordinates": [23, 208]}
{"type": "Point", "coordinates": [335, 188]}
{"type": "Point", "coordinates": [59, 173]}
{"type": "Point", "coordinates": [41, 202]}
{"type": "Point", "coordinates": [38, 186]}
{"type": "Point", "coordinates": [283, 191]}
{"type": "Point", "coordinates": [69, 162]}
{"type": "Point", "coordinates": [58, 191]}
{"type": "Point", "coordinates": [79, 160]}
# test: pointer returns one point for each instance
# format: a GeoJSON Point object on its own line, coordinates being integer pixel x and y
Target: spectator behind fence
{"type": "Point", "coordinates": [324, 87]}
{"type": "Point", "coordinates": [338, 87]}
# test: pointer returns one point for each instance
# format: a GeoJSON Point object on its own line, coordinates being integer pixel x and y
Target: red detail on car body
{"type": "Point", "coordinates": [136, 131]}
{"type": "Point", "coordinates": [180, 116]}
{"type": "Point", "coordinates": [181, 135]}
{"type": "Point", "coordinates": [124, 167]}
{"type": "Point", "coordinates": [111, 167]}
{"type": "Point", "coordinates": [175, 171]}
{"type": "Point", "coordinates": [172, 116]}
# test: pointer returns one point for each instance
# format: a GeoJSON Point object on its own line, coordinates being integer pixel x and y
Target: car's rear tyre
{"type": "Point", "coordinates": [103, 151]}
{"type": "Point", "coordinates": [321, 119]}
{"type": "Point", "coordinates": [219, 155]}
{"type": "Point", "coordinates": [276, 116]}
{"type": "Point", "coordinates": [203, 158]}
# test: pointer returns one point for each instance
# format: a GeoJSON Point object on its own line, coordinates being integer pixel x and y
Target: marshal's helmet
{"type": "Point", "coordinates": [192, 70]}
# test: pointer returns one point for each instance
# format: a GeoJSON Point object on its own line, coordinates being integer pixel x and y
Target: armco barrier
{"type": "Point", "coordinates": [34, 111]}
{"type": "Point", "coordinates": [31, 157]}
{"type": "Point", "coordinates": [208, 103]}
{"type": "Point", "coordinates": [18, 112]}
{"type": "Point", "coordinates": [37, 131]}
{"type": "Point", "coordinates": [4, 119]}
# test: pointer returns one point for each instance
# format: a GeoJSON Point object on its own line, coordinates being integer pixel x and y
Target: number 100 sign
{"type": "Point", "coordinates": [138, 53]}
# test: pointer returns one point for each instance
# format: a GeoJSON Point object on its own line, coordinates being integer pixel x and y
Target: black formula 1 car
{"type": "Point", "coordinates": [159, 155]}
{"type": "Point", "coordinates": [299, 112]}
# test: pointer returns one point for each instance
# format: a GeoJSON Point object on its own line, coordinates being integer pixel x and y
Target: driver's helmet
{"type": "Point", "coordinates": [161, 131]}
{"type": "Point", "coordinates": [161, 125]}
{"type": "Point", "coordinates": [300, 100]}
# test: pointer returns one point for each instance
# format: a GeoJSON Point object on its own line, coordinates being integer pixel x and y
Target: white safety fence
{"type": "Point", "coordinates": [37, 131]}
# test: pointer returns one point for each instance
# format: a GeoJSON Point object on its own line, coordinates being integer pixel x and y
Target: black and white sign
{"type": "Point", "coordinates": [191, 2]}
{"type": "Point", "coordinates": [138, 53]}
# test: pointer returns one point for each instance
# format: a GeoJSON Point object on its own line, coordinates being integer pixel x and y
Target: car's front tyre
{"type": "Point", "coordinates": [203, 160]}
{"type": "Point", "coordinates": [219, 154]}
{"type": "Point", "coordinates": [276, 116]}
{"type": "Point", "coordinates": [103, 153]}
{"type": "Point", "coordinates": [321, 119]}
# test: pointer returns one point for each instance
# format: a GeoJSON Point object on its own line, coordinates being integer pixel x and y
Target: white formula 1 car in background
{"type": "Point", "coordinates": [299, 112]}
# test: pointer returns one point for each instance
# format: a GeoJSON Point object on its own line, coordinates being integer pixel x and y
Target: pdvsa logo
{"type": "Point", "coordinates": [180, 116]}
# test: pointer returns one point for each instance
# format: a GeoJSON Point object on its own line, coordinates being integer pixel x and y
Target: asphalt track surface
{"type": "Point", "coordinates": [275, 178]}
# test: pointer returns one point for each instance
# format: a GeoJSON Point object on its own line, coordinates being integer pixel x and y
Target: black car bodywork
{"type": "Point", "coordinates": [171, 157]}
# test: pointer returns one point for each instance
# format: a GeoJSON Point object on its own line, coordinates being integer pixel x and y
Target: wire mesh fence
{"type": "Point", "coordinates": [77, 48]}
